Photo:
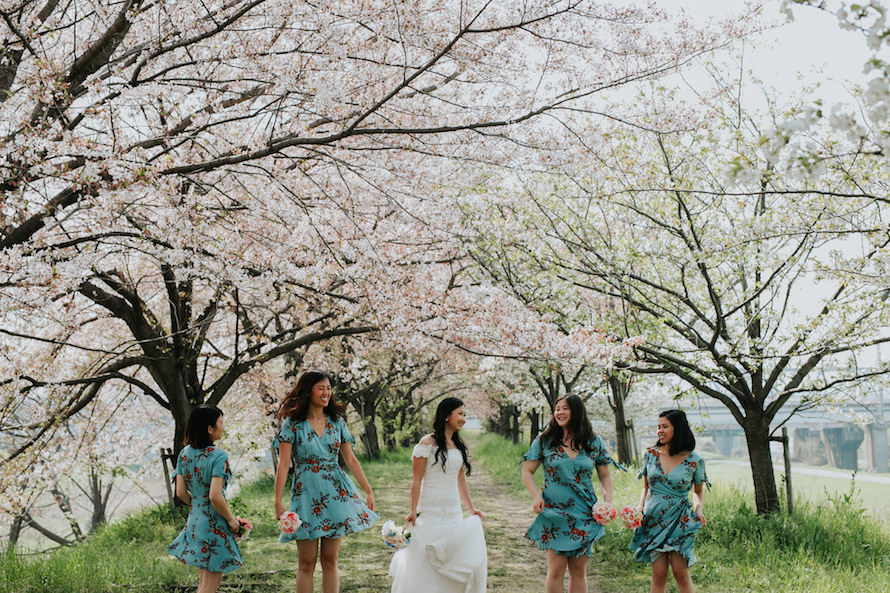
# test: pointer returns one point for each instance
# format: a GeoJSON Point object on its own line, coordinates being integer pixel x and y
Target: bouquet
{"type": "Point", "coordinates": [603, 512]}
{"type": "Point", "coordinates": [246, 526]}
{"type": "Point", "coordinates": [396, 538]}
{"type": "Point", "coordinates": [289, 522]}
{"type": "Point", "coordinates": [632, 517]}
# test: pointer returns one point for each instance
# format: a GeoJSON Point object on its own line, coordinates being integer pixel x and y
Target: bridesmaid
{"type": "Point", "coordinates": [312, 437]}
{"type": "Point", "coordinates": [202, 472]}
{"type": "Point", "coordinates": [569, 451]}
{"type": "Point", "coordinates": [670, 469]}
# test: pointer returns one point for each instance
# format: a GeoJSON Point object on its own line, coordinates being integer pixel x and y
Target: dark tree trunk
{"type": "Point", "coordinates": [535, 418]}
{"type": "Point", "coordinates": [766, 495]}
{"type": "Point", "coordinates": [99, 498]}
{"type": "Point", "coordinates": [370, 438]}
{"type": "Point", "coordinates": [514, 424]}
{"type": "Point", "coordinates": [620, 389]}
{"type": "Point", "coordinates": [15, 531]}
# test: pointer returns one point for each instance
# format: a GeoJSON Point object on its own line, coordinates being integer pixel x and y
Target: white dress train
{"type": "Point", "coordinates": [447, 552]}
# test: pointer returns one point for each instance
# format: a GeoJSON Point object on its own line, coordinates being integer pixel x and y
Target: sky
{"type": "Point", "coordinates": [811, 48]}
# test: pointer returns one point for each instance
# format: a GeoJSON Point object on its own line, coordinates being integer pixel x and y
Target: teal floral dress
{"type": "Point", "coordinates": [206, 541]}
{"type": "Point", "coordinates": [321, 493]}
{"type": "Point", "coordinates": [566, 525]}
{"type": "Point", "coordinates": [669, 521]}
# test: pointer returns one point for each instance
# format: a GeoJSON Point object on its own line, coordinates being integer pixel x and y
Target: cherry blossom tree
{"type": "Point", "coordinates": [758, 292]}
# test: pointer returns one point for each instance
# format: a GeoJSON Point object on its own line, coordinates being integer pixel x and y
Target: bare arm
{"type": "Point", "coordinates": [605, 477]}
{"type": "Point", "coordinates": [218, 501]}
{"type": "Point", "coordinates": [182, 491]}
{"type": "Point", "coordinates": [698, 500]}
{"type": "Point", "coordinates": [528, 478]}
{"type": "Point", "coordinates": [464, 490]}
{"type": "Point", "coordinates": [644, 493]}
{"type": "Point", "coordinates": [356, 469]}
{"type": "Point", "coordinates": [284, 451]}
{"type": "Point", "coordinates": [418, 469]}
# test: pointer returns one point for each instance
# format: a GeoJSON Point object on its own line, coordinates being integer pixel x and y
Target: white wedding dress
{"type": "Point", "coordinates": [447, 552]}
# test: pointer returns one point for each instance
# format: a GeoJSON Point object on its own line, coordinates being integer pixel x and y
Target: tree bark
{"type": "Point", "coordinates": [620, 389]}
{"type": "Point", "coordinates": [370, 438]}
{"type": "Point", "coordinates": [757, 436]}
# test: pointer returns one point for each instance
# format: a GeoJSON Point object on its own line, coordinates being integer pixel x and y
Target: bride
{"type": "Point", "coordinates": [447, 552]}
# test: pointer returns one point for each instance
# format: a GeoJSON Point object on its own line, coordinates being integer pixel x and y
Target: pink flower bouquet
{"type": "Point", "coordinates": [289, 522]}
{"type": "Point", "coordinates": [632, 517]}
{"type": "Point", "coordinates": [395, 538]}
{"type": "Point", "coordinates": [246, 526]}
{"type": "Point", "coordinates": [603, 512]}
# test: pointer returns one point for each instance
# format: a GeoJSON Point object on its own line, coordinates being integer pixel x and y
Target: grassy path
{"type": "Point", "coordinates": [514, 566]}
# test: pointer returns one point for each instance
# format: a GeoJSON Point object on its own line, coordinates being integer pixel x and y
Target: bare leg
{"type": "Point", "coordinates": [680, 568]}
{"type": "Point", "coordinates": [556, 570]}
{"type": "Point", "coordinates": [307, 555]}
{"type": "Point", "coordinates": [578, 574]}
{"type": "Point", "coordinates": [659, 574]}
{"type": "Point", "coordinates": [209, 581]}
{"type": "Point", "coordinates": [330, 577]}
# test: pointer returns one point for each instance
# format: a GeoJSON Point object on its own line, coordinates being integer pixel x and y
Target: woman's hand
{"type": "Point", "coordinates": [538, 504]}
{"type": "Point", "coordinates": [234, 526]}
{"type": "Point", "coordinates": [369, 500]}
{"type": "Point", "coordinates": [279, 509]}
{"type": "Point", "coordinates": [478, 513]}
{"type": "Point", "coordinates": [411, 518]}
{"type": "Point", "coordinates": [700, 514]}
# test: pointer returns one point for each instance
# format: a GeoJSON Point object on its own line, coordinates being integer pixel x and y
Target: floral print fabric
{"type": "Point", "coordinates": [669, 521]}
{"type": "Point", "coordinates": [566, 524]}
{"type": "Point", "coordinates": [321, 493]}
{"type": "Point", "coordinates": [206, 541]}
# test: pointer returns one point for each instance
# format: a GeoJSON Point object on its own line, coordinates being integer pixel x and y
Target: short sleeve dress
{"type": "Point", "coordinates": [206, 541]}
{"type": "Point", "coordinates": [321, 493]}
{"type": "Point", "coordinates": [566, 523]}
{"type": "Point", "coordinates": [669, 521]}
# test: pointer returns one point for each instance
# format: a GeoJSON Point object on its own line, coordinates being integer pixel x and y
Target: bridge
{"type": "Point", "coordinates": [831, 436]}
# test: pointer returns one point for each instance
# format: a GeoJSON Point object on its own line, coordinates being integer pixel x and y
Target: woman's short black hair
{"type": "Point", "coordinates": [201, 418]}
{"type": "Point", "coordinates": [683, 439]}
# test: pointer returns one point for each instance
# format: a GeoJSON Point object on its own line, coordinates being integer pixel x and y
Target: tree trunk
{"type": "Point", "coordinates": [64, 505]}
{"type": "Point", "coordinates": [535, 417]}
{"type": "Point", "coordinates": [514, 428]}
{"type": "Point", "coordinates": [14, 531]}
{"type": "Point", "coordinates": [757, 436]}
{"type": "Point", "coordinates": [370, 439]}
{"type": "Point", "coordinates": [620, 389]}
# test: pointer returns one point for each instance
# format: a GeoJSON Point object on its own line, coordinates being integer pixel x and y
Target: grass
{"type": "Point", "coordinates": [130, 555]}
{"type": "Point", "coordinates": [828, 547]}
{"type": "Point", "coordinates": [815, 489]}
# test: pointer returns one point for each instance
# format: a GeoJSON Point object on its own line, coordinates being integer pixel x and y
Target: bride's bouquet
{"type": "Point", "coordinates": [632, 517]}
{"type": "Point", "coordinates": [603, 512]}
{"type": "Point", "coordinates": [395, 538]}
{"type": "Point", "coordinates": [289, 522]}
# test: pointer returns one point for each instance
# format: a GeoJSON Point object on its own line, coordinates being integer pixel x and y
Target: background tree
{"type": "Point", "coordinates": [740, 280]}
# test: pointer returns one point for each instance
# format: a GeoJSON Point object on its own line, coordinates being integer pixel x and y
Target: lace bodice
{"type": "Point", "coordinates": [439, 497]}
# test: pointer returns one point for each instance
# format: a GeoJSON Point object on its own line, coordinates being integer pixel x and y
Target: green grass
{"type": "Point", "coordinates": [815, 489]}
{"type": "Point", "coordinates": [130, 555]}
{"type": "Point", "coordinates": [832, 546]}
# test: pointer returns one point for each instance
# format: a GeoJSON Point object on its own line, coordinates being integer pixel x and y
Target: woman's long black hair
{"type": "Point", "coordinates": [443, 411]}
{"type": "Point", "coordinates": [683, 439]}
{"type": "Point", "coordinates": [202, 417]}
{"type": "Point", "coordinates": [296, 403]}
{"type": "Point", "coordinates": [579, 425]}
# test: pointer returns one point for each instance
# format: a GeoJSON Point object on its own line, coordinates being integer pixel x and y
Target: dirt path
{"type": "Point", "coordinates": [514, 564]}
